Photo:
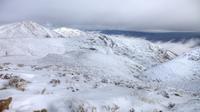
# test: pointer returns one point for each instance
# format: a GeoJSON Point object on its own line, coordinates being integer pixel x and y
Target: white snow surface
{"type": "Point", "coordinates": [68, 70]}
{"type": "Point", "coordinates": [182, 72]}
{"type": "Point", "coordinates": [69, 32]}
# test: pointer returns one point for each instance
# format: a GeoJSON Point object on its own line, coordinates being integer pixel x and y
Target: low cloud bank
{"type": "Point", "coordinates": [140, 15]}
{"type": "Point", "coordinates": [181, 46]}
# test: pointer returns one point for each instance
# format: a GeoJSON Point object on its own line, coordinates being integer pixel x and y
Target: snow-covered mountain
{"type": "Point", "coordinates": [69, 32]}
{"type": "Point", "coordinates": [29, 38]}
{"type": "Point", "coordinates": [26, 29]}
{"type": "Point", "coordinates": [133, 49]}
{"type": "Point", "coordinates": [90, 72]}
{"type": "Point", "coordinates": [182, 72]}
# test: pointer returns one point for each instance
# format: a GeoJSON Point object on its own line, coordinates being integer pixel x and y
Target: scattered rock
{"type": "Point", "coordinates": [171, 105]}
{"type": "Point", "coordinates": [93, 49]}
{"type": "Point", "coordinates": [55, 82]}
{"type": "Point", "coordinates": [80, 106]}
{"type": "Point", "coordinates": [43, 91]}
{"type": "Point", "coordinates": [6, 76]}
{"type": "Point", "coordinates": [164, 94]}
{"type": "Point", "coordinates": [132, 110]}
{"type": "Point", "coordinates": [43, 110]}
{"type": "Point", "coordinates": [104, 80]}
{"type": "Point", "coordinates": [176, 94]}
{"type": "Point", "coordinates": [18, 83]}
{"type": "Point", "coordinates": [4, 104]}
{"type": "Point", "coordinates": [111, 108]}
{"type": "Point", "coordinates": [20, 65]}
{"type": "Point", "coordinates": [156, 110]}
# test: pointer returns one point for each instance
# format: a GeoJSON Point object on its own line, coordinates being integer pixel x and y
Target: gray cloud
{"type": "Point", "coordinates": [115, 14]}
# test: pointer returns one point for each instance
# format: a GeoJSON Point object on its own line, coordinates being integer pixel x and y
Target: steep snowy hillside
{"type": "Point", "coordinates": [26, 29]}
{"type": "Point", "coordinates": [181, 73]}
{"type": "Point", "coordinates": [84, 72]}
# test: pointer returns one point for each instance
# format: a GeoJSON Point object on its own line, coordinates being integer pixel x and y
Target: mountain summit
{"type": "Point", "coordinates": [26, 29]}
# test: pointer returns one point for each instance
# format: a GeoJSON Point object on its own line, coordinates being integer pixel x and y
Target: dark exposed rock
{"type": "Point", "coordinates": [171, 105]}
{"type": "Point", "coordinates": [4, 104]}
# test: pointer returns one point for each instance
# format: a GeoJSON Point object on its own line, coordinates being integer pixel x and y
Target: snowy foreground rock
{"type": "Point", "coordinates": [68, 70]}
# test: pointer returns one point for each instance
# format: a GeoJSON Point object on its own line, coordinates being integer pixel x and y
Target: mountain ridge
{"type": "Point", "coordinates": [84, 71]}
{"type": "Point", "coordinates": [26, 29]}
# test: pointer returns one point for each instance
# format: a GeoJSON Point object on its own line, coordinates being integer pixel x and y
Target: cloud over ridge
{"type": "Point", "coordinates": [127, 14]}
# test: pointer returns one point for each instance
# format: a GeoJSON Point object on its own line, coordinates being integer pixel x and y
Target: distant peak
{"type": "Point", "coordinates": [69, 31]}
{"type": "Point", "coordinates": [29, 24]}
{"type": "Point", "coordinates": [26, 28]}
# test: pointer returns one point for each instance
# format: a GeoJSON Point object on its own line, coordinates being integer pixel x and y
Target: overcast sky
{"type": "Point", "coordinates": [113, 14]}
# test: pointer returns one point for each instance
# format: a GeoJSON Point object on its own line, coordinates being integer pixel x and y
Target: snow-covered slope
{"type": "Point", "coordinates": [31, 46]}
{"type": "Point", "coordinates": [143, 53]}
{"type": "Point", "coordinates": [182, 72]}
{"type": "Point", "coordinates": [89, 72]}
{"type": "Point", "coordinates": [69, 32]}
{"type": "Point", "coordinates": [26, 29]}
